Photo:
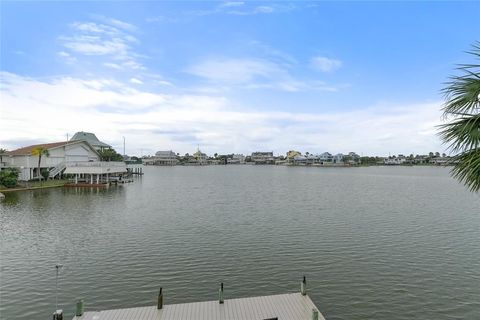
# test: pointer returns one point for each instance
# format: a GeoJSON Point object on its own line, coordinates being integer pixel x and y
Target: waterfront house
{"type": "Point", "coordinates": [313, 159]}
{"type": "Point", "coordinates": [441, 161]}
{"type": "Point", "coordinates": [393, 160]}
{"type": "Point", "coordinates": [163, 158]}
{"type": "Point", "coordinates": [236, 159]}
{"type": "Point", "coordinates": [60, 153]}
{"type": "Point", "coordinates": [338, 158]}
{"type": "Point", "coordinates": [200, 158]}
{"type": "Point", "coordinates": [262, 158]}
{"type": "Point", "coordinates": [295, 158]}
{"type": "Point", "coordinates": [325, 158]}
{"type": "Point", "coordinates": [91, 138]}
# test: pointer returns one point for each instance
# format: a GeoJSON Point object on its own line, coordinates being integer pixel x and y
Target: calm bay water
{"type": "Point", "coordinates": [374, 243]}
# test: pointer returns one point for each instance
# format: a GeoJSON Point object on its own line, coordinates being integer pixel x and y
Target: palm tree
{"type": "Point", "coordinates": [462, 132]}
{"type": "Point", "coordinates": [40, 151]}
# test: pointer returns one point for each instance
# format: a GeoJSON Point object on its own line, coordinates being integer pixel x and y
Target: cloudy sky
{"type": "Point", "coordinates": [231, 76]}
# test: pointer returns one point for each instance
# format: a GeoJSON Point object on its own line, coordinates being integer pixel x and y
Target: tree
{"type": "Point", "coordinates": [110, 155]}
{"type": "Point", "coordinates": [462, 111]}
{"type": "Point", "coordinates": [40, 151]}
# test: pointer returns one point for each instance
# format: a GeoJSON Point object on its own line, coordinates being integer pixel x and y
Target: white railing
{"type": "Point", "coordinates": [107, 164]}
{"type": "Point", "coordinates": [57, 169]}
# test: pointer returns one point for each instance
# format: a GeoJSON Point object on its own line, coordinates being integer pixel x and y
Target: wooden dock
{"type": "Point", "coordinates": [291, 306]}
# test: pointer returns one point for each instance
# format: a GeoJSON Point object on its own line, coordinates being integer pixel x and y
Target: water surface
{"type": "Point", "coordinates": [374, 243]}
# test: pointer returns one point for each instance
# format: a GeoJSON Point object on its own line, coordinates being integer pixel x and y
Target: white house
{"type": "Point", "coordinates": [263, 158]}
{"type": "Point", "coordinates": [163, 158]}
{"type": "Point", "coordinates": [338, 158]}
{"type": "Point", "coordinates": [325, 157]}
{"type": "Point", "coordinates": [60, 153]}
{"type": "Point", "coordinates": [236, 159]}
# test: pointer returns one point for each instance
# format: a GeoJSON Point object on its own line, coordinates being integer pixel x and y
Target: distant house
{"type": "Point", "coordinates": [200, 158]}
{"type": "Point", "coordinates": [393, 160]}
{"type": "Point", "coordinates": [312, 159]}
{"type": "Point", "coordinates": [263, 158]}
{"type": "Point", "coordinates": [338, 158]}
{"type": "Point", "coordinates": [163, 158]}
{"type": "Point", "coordinates": [353, 158]}
{"type": "Point", "coordinates": [91, 139]}
{"type": "Point", "coordinates": [60, 153]}
{"type": "Point", "coordinates": [325, 158]}
{"type": "Point", "coordinates": [236, 159]}
{"type": "Point", "coordinates": [295, 158]}
{"type": "Point", "coordinates": [441, 160]}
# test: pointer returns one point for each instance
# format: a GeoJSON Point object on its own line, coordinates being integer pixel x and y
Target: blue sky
{"type": "Point", "coordinates": [232, 76]}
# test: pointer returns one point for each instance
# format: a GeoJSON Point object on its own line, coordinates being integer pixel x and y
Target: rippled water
{"type": "Point", "coordinates": [375, 243]}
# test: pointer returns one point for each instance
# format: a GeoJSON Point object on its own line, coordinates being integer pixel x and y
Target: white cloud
{"type": "Point", "coordinates": [136, 81]}
{"type": "Point", "coordinates": [325, 64]}
{"type": "Point", "coordinates": [110, 40]}
{"type": "Point", "coordinates": [232, 4]}
{"type": "Point", "coordinates": [63, 54]}
{"type": "Point", "coordinates": [234, 70]}
{"type": "Point", "coordinates": [249, 73]}
{"type": "Point", "coordinates": [154, 121]}
{"type": "Point", "coordinates": [112, 65]}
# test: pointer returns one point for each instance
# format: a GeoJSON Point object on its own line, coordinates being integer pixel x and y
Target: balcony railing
{"type": "Point", "coordinates": [107, 164]}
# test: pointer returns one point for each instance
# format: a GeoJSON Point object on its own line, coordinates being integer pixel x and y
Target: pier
{"type": "Point", "coordinates": [289, 306]}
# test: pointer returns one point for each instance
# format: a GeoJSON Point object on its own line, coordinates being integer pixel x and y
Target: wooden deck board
{"type": "Point", "coordinates": [291, 306]}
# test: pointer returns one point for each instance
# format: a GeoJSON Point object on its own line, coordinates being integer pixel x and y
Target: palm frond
{"type": "Point", "coordinates": [467, 169]}
{"type": "Point", "coordinates": [462, 133]}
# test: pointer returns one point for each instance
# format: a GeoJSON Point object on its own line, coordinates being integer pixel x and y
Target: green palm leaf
{"type": "Point", "coordinates": [462, 133]}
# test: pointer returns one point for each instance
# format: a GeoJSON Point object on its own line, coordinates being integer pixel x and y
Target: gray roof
{"type": "Point", "coordinates": [90, 138]}
{"type": "Point", "coordinates": [291, 306]}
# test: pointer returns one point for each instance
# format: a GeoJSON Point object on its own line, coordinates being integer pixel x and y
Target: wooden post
{"type": "Point", "coordinates": [160, 300]}
{"type": "Point", "coordinates": [79, 309]}
{"type": "Point", "coordinates": [220, 294]}
{"type": "Point", "coordinates": [314, 314]}
{"type": "Point", "coordinates": [303, 286]}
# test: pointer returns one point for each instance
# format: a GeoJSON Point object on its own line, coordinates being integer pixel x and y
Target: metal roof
{"type": "Point", "coordinates": [291, 306]}
{"type": "Point", "coordinates": [90, 138]}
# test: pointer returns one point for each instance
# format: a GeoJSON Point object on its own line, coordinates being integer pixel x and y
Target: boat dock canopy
{"type": "Point", "coordinates": [291, 306]}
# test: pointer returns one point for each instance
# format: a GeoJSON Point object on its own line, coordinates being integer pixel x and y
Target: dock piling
{"type": "Point", "coordinates": [220, 294]}
{"type": "Point", "coordinates": [80, 307]}
{"type": "Point", "coordinates": [303, 286]}
{"type": "Point", "coordinates": [160, 300]}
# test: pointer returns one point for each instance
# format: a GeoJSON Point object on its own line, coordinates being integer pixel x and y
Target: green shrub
{"type": "Point", "coordinates": [45, 173]}
{"type": "Point", "coordinates": [9, 177]}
